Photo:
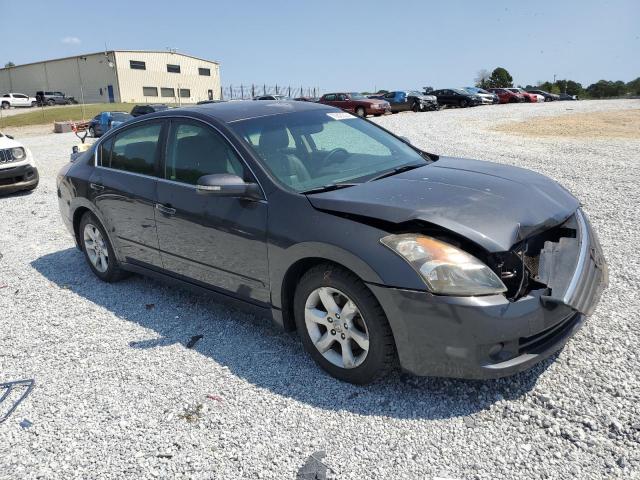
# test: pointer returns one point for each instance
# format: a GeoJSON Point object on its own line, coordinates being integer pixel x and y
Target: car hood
{"type": "Point", "coordinates": [6, 142]}
{"type": "Point", "coordinates": [493, 205]}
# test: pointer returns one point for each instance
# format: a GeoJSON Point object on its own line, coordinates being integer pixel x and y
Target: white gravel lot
{"type": "Point", "coordinates": [119, 395]}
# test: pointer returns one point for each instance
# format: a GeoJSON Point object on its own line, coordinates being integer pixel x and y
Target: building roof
{"type": "Point", "coordinates": [111, 51]}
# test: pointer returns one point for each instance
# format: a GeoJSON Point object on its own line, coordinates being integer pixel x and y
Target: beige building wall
{"type": "Point", "coordinates": [191, 81]}
{"type": "Point", "coordinates": [91, 76]}
{"type": "Point", "coordinates": [85, 76]}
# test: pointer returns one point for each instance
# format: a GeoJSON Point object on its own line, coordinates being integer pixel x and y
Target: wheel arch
{"type": "Point", "coordinates": [300, 264]}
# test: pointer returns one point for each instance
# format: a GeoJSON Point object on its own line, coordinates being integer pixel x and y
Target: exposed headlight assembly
{"type": "Point", "coordinates": [445, 269]}
{"type": "Point", "coordinates": [18, 153]}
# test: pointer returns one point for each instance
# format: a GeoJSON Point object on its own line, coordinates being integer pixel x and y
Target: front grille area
{"type": "Point", "coordinates": [541, 340]}
{"type": "Point", "coordinates": [6, 156]}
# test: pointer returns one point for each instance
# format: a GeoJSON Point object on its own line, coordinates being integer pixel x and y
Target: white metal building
{"type": "Point", "coordinates": [119, 76]}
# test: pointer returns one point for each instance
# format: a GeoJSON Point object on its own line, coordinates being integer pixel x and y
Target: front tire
{"type": "Point", "coordinates": [464, 103]}
{"type": "Point", "coordinates": [361, 112]}
{"type": "Point", "coordinates": [92, 132]}
{"type": "Point", "coordinates": [98, 250]}
{"type": "Point", "coordinates": [342, 325]}
{"type": "Point", "coordinates": [5, 105]}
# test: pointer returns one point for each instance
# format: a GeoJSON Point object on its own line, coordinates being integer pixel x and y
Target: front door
{"type": "Point", "coordinates": [123, 189]}
{"type": "Point", "coordinates": [216, 241]}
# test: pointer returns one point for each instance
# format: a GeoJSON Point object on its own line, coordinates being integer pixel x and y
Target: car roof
{"type": "Point", "coordinates": [228, 112]}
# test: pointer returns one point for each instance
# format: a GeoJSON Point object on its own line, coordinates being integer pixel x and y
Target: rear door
{"type": "Point", "coordinates": [216, 241]}
{"type": "Point", "coordinates": [344, 102]}
{"type": "Point", "coordinates": [123, 189]}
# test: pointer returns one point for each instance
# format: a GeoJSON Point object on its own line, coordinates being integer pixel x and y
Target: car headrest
{"type": "Point", "coordinates": [273, 139]}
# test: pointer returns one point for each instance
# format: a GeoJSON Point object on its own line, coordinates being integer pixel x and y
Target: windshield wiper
{"type": "Point", "coordinates": [328, 188]}
{"type": "Point", "coordinates": [394, 171]}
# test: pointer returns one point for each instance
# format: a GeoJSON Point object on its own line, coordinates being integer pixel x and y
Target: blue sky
{"type": "Point", "coordinates": [350, 45]}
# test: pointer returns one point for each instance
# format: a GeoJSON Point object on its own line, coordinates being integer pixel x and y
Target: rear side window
{"type": "Point", "coordinates": [104, 153]}
{"type": "Point", "coordinates": [194, 150]}
{"type": "Point", "coordinates": [136, 149]}
{"type": "Point", "coordinates": [330, 98]}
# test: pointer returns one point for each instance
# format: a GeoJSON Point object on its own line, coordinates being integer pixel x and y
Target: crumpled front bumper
{"type": "Point", "coordinates": [490, 336]}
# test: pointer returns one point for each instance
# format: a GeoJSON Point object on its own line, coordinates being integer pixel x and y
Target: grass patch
{"type": "Point", "coordinates": [609, 124]}
{"type": "Point", "coordinates": [48, 115]}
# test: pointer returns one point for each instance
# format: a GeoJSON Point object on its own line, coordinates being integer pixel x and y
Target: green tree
{"type": "Point", "coordinates": [574, 88]}
{"type": "Point", "coordinates": [633, 87]}
{"type": "Point", "coordinates": [500, 78]}
{"type": "Point", "coordinates": [9, 64]}
{"type": "Point", "coordinates": [607, 88]}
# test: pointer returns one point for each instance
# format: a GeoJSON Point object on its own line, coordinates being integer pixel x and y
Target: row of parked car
{"type": "Point", "coordinates": [362, 105]}
{"type": "Point", "coordinates": [413, 100]}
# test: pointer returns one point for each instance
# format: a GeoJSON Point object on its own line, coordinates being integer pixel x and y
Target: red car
{"type": "Point", "coordinates": [505, 95]}
{"type": "Point", "coordinates": [356, 103]}
{"type": "Point", "coordinates": [528, 97]}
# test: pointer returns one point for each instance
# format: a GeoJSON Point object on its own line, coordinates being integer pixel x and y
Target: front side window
{"type": "Point", "coordinates": [330, 97]}
{"type": "Point", "coordinates": [194, 150]}
{"type": "Point", "coordinates": [136, 149]}
{"type": "Point", "coordinates": [307, 150]}
{"type": "Point", "coordinates": [173, 68]}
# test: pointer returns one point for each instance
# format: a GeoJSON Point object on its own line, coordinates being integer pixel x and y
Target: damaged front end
{"type": "Point", "coordinates": [564, 263]}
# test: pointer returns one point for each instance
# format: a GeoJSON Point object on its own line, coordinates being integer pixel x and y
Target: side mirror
{"type": "Point", "coordinates": [227, 185]}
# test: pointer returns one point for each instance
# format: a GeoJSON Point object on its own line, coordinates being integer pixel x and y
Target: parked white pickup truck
{"type": "Point", "coordinates": [9, 100]}
{"type": "Point", "coordinates": [17, 167]}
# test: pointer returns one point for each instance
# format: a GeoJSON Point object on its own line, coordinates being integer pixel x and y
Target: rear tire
{"type": "Point", "coordinates": [51, 103]}
{"type": "Point", "coordinates": [363, 331]}
{"type": "Point", "coordinates": [361, 112]}
{"type": "Point", "coordinates": [464, 103]}
{"type": "Point", "coordinates": [5, 105]}
{"type": "Point", "coordinates": [415, 107]}
{"type": "Point", "coordinates": [98, 250]}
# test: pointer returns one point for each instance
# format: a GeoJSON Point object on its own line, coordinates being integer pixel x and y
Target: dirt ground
{"type": "Point", "coordinates": [612, 124]}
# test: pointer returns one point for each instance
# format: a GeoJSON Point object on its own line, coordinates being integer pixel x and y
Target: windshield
{"type": "Point", "coordinates": [459, 90]}
{"type": "Point", "coordinates": [356, 95]}
{"type": "Point", "coordinates": [472, 89]}
{"type": "Point", "coordinates": [415, 93]}
{"type": "Point", "coordinates": [313, 149]}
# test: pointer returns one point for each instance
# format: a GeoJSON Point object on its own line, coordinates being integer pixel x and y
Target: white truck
{"type": "Point", "coordinates": [17, 167]}
{"type": "Point", "coordinates": [9, 100]}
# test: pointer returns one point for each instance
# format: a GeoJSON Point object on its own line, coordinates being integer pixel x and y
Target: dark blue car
{"type": "Point", "coordinates": [105, 121]}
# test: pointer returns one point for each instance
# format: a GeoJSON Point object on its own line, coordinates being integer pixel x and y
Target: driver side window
{"type": "Point", "coordinates": [195, 150]}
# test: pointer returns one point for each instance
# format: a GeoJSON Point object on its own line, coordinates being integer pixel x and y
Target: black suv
{"type": "Point", "coordinates": [54, 98]}
{"type": "Point", "coordinates": [456, 97]}
{"type": "Point", "coordinates": [139, 110]}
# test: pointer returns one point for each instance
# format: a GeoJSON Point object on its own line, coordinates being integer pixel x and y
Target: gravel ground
{"type": "Point", "coordinates": [119, 394]}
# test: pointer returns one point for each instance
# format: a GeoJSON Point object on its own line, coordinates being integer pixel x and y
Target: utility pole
{"type": "Point", "coordinates": [81, 86]}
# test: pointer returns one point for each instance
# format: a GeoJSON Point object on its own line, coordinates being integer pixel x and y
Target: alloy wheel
{"type": "Point", "coordinates": [336, 327]}
{"type": "Point", "coordinates": [96, 248]}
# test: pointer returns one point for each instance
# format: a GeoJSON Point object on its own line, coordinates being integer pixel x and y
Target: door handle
{"type": "Point", "coordinates": [97, 187]}
{"type": "Point", "coordinates": [164, 209]}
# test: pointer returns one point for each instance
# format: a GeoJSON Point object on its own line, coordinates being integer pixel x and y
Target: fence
{"type": "Point", "coordinates": [247, 92]}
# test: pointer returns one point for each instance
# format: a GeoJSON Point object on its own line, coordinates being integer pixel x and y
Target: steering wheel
{"type": "Point", "coordinates": [333, 153]}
